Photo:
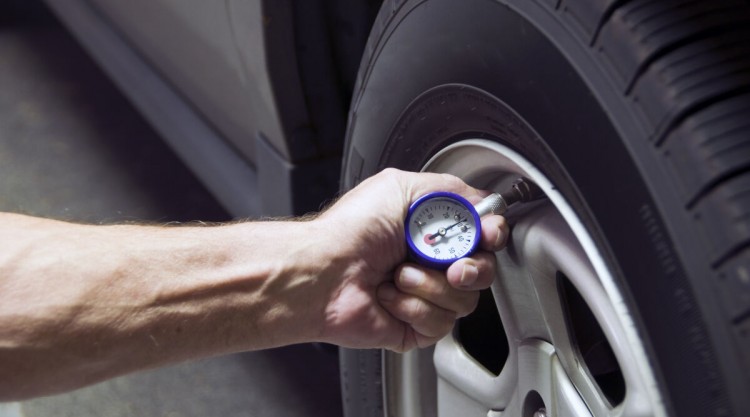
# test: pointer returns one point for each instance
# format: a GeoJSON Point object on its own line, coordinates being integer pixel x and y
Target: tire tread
{"type": "Point", "coordinates": [685, 67]}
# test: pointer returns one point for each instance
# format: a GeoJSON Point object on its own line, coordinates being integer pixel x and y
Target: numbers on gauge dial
{"type": "Point", "coordinates": [442, 228]}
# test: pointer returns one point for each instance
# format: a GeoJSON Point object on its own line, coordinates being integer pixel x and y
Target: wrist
{"type": "Point", "coordinates": [343, 283]}
{"type": "Point", "coordinates": [300, 267]}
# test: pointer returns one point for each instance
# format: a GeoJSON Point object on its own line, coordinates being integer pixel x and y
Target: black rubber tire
{"type": "Point", "coordinates": [639, 111]}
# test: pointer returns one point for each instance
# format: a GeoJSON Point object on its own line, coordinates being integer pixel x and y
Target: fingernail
{"type": "Point", "coordinates": [469, 275]}
{"type": "Point", "coordinates": [500, 240]}
{"type": "Point", "coordinates": [386, 292]}
{"type": "Point", "coordinates": [411, 277]}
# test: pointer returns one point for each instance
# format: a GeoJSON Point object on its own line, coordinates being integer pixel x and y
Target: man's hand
{"type": "Point", "coordinates": [80, 304]}
{"type": "Point", "coordinates": [380, 301]}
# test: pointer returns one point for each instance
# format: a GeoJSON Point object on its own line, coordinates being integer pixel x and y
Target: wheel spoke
{"type": "Point", "coordinates": [455, 367]}
{"type": "Point", "coordinates": [544, 385]}
{"type": "Point", "coordinates": [548, 251]}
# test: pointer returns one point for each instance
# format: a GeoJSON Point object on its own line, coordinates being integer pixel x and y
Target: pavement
{"type": "Point", "coordinates": [73, 148]}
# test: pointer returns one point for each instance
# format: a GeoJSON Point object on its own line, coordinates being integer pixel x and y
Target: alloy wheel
{"type": "Point", "coordinates": [553, 337]}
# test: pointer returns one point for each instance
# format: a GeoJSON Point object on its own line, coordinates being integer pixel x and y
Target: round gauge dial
{"type": "Point", "coordinates": [441, 228]}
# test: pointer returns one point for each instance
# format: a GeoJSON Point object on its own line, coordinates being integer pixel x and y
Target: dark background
{"type": "Point", "coordinates": [72, 148]}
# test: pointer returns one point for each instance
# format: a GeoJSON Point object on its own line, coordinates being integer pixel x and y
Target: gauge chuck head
{"type": "Point", "coordinates": [521, 191]}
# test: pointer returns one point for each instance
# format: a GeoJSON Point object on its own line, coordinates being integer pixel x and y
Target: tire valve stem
{"type": "Point", "coordinates": [521, 191]}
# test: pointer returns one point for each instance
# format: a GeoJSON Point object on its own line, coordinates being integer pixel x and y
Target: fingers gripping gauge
{"type": "Point", "coordinates": [442, 227]}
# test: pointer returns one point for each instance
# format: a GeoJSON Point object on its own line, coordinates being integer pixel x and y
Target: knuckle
{"type": "Point", "coordinates": [440, 288]}
{"type": "Point", "coordinates": [390, 173]}
{"type": "Point", "coordinates": [418, 311]}
{"type": "Point", "coordinates": [503, 233]}
{"type": "Point", "coordinates": [411, 278]}
{"type": "Point", "coordinates": [502, 223]}
{"type": "Point", "coordinates": [469, 305]}
{"type": "Point", "coordinates": [487, 271]}
{"type": "Point", "coordinates": [445, 326]}
{"type": "Point", "coordinates": [452, 180]}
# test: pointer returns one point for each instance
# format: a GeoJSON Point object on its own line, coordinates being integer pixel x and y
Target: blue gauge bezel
{"type": "Point", "coordinates": [427, 260]}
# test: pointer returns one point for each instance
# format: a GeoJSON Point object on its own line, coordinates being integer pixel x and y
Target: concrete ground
{"type": "Point", "coordinates": [72, 148]}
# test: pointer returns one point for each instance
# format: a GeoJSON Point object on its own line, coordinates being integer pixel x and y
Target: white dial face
{"type": "Point", "coordinates": [442, 228]}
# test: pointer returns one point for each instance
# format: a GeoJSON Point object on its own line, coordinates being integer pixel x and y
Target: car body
{"type": "Point", "coordinates": [253, 95]}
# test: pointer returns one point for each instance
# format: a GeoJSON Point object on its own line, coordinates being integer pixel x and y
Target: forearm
{"type": "Point", "coordinates": [85, 303]}
{"type": "Point", "coordinates": [79, 304]}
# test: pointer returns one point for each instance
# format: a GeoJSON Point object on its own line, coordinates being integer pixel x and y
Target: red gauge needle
{"type": "Point", "coordinates": [429, 239]}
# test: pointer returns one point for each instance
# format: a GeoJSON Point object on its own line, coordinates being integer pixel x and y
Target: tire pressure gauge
{"type": "Point", "coordinates": [442, 227]}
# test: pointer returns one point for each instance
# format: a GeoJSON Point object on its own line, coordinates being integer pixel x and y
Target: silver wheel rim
{"type": "Point", "coordinates": [543, 374]}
